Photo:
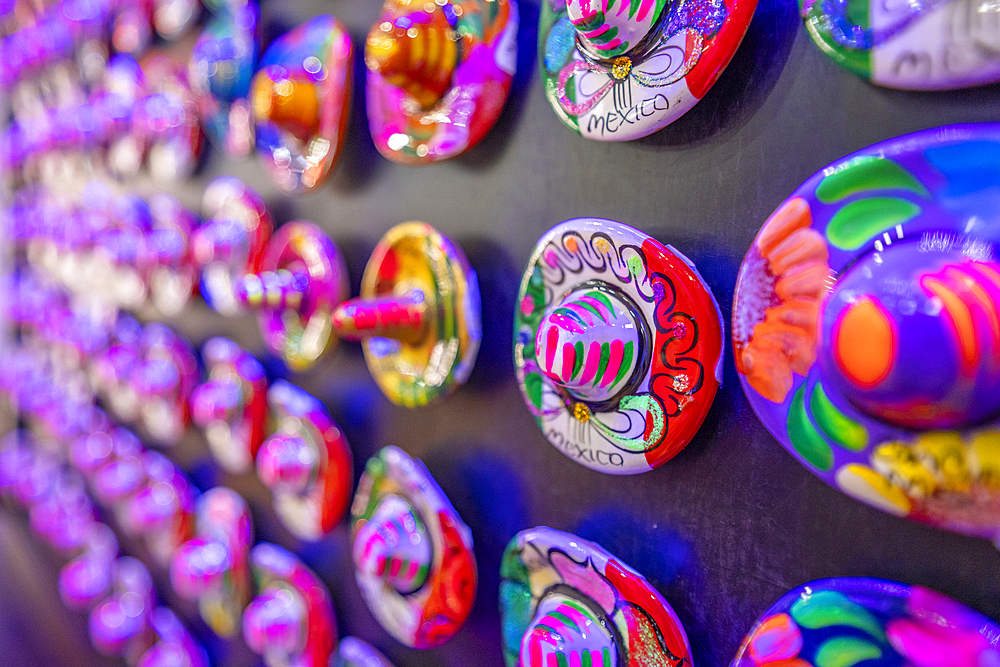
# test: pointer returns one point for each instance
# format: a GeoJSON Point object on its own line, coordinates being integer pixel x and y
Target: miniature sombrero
{"type": "Point", "coordinates": [874, 622]}
{"type": "Point", "coordinates": [617, 345]}
{"type": "Point", "coordinates": [418, 315]}
{"type": "Point", "coordinates": [937, 45]}
{"type": "Point", "coordinates": [438, 75]}
{"type": "Point", "coordinates": [300, 102]}
{"type": "Point", "coordinates": [865, 326]}
{"type": "Point", "coordinates": [412, 552]}
{"type": "Point", "coordinates": [352, 652]}
{"type": "Point", "coordinates": [616, 70]}
{"type": "Point", "coordinates": [567, 601]}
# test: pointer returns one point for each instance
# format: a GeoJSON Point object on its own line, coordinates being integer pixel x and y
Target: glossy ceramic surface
{"type": "Point", "coordinates": [290, 622]}
{"type": "Point", "coordinates": [162, 379]}
{"type": "Point", "coordinates": [352, 652]}
{"type": "Point", "coordinates": [168, 122]}
{"type": "Point", "coordinates": [617, 345]}
{"type": "Point", "coordinates": [936, 45]}
{"type": "Point", "coordinates": [165, 260]}
{"type": "Point", "coordinates": [874, 622]}
{"type": "Point", "coordinates": [213, 568]}
{"type": "Point", "coordinates": [301, 100]}
{"type": "Point", "coordinates": [620, 71]}
{"type": "Point", "coordinates": [231, 242]}
{"type": "Point", "coordinates": [231, 406]}
{"type": "Point", "coordinates": [412, 552]}
{"type": "Point", "coordinates": [567, 601]}
{"type": "Point", "coordinates": [864, 326]}
{"type": "Point", "coordinates": [222, 64]}
{"type": "Point", "coordinates": [418, 315]}
{"type": "Point", "coordinates": [438, 75]}
{"type": "Point", "coordinates": [306, 463]}
{"type": "Point", "coordinates": [174, 646]}
{"type": "Point", "coordinates": [302, 280]}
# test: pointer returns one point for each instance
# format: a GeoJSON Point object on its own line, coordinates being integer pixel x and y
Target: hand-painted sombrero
{"type": "Point", "coordinates": [617, 345]}
{"type": "Point", "coordinates": [616, 70]}
{"type": "Point", "coordinates": [870, 622]}
{"type": "Point", "coordinates": [438, 75]}
{"type": "Point", "coordinates": [567, 601]}
{"type": "Point", "coordinates": [300, 99]}
{"type": "Point", "coordinates": [866, 326]}
{"type": "Point", "coordinates": [935, 45]}
{"type": "Point", "coordinates": [412, 552]}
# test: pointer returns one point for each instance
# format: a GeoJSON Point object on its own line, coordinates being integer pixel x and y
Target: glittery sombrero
{"type": "Point", "coordinates": [564, 600]}
{"type": "Point", "coordinates": [617, 345]}
{"type": "Point", "coordinates": [616, 70]}
{"type": "Point", "coordinates": [866, 326]}
{"type": "Point", "coordinates": [412, 552]}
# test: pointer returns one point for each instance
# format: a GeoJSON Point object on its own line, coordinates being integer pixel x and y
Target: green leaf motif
{"type": "Point", "coordinates": [866, 173]}
{"type": "Point", "coordinates": [804, 436]}
{"type": "Point", "coordinates": [853, 225]}
{"type": "Point", "coordinates": [824, 609]}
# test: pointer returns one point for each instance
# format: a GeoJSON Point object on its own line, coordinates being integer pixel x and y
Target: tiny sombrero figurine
{"type": "Point", "coordinates": [871, 622]}
{"type": "Point", "coordinates": [567, 601]}
{"type": "Point", "coordinates": [937, 45]}
{"type": "Point", "coordinates": [617, 70]}
{"type": "Point", "coordinates": [300, 98]}
{"type": "Point", "coordinates": [617, 345]}
{"type": "Point", "coordinates": [866, 326]}
{"type": "Point", "coordinates": [438, 75]}
{"type": "Point", "coordinates": [412, 553]}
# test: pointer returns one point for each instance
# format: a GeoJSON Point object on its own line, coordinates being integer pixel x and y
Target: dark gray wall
{"type": "Point", "coordinates": [730, 524]}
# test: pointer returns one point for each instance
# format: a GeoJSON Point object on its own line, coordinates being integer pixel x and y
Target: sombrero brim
{"type": "Point", "coordinates": [667, 405]}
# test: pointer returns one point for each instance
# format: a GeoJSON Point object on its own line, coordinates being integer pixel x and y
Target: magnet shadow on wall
{"type": "Point", "coordinates": [490, 495]}
{"type": "Point", "coordinates": [359, 161]}
{"type": "Point", "coordinates": [490, 150]}
{"type": "Point", "coordinates": [498, 282]}
{"type": "Point", "coordinates": [745, 83]}
{"type": "Point", "coordinates": [664, 558]}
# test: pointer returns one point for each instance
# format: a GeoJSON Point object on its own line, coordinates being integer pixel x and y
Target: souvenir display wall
{"type": "Point", "coordinates": [330, 337]}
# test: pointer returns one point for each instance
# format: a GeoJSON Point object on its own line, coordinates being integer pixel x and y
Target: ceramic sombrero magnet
{"type": "Point", "coordinates": [617, 345]}
{"type": "Point", "coordinates": [438, 75]}
{"type": "Point", "coordinates": [412, 553]}
{"type": "Point", "coordinates": [567, 601]}
{"type": "Point", "coordinates": [616, 70]}
{"type": "Point", "coordinates": [936, 45]}
{"type": "Point", "coordinates": [866, 326]}
{"type": "Point", "coordinates": [874, 622]}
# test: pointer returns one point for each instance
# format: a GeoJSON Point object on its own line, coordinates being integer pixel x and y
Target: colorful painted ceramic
{"type": "Point", "coordinates": [620, 71]}
{"type": "Point", "coordinates": [231, 242]}
{"type": "Point", "coordinates": [213, 568]}
{"type": "Point", "coordinates": [163, 378]}
{"type": "Point", "coordinates": [864, 326]}
{"type": "Point", "coordinates": [300, 102]}
{"type": "Point", "coordinates": [231, 406]}
{"type": "Point", "coordinates": [306, 463]}
{"type": "Point", "coordinates": [412, 553]}
{"type": "Point", "coordinates": [352, 652]}
{"type": "Point", "coordinates": [121, 624]}
{"type": "Point", "coordinates": [567, 601]}
{"type": "Point", "coordinates": [174, 646]}
{"type": "Point", "coordinates": [164, 258]}
{"type": "Point", "coordinates": [874, 622]}
{"type": "Point", "coordinates": [222, 63]}
{"type": "Point", "coordinates": [162, 512]}
{"type": "Point", "coordinates": [937, 45]}
{"type": "Point", "coordinates": [87, 579]}
{"type": "Point", "coordinates": [290, 622]}
{"type": "Point", "coordinates": [418, 315]}
{"type": "Point", "coordinates": [301, 281]}
{"type": "Point", "coordinates": [167, 120]}
{"type": "Point", "coordinates": [438, 75]}
{"type": "Point", "coordinates": [617, 345]}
